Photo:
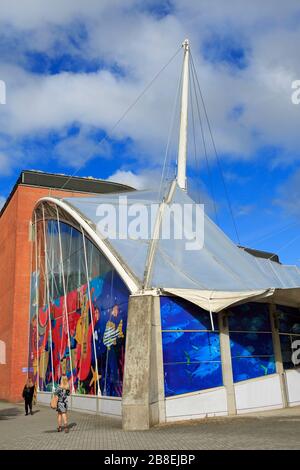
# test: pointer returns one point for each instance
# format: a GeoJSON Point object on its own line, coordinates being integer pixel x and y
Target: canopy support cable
{"type": "Point", "coordinates": [36, 302]}
{"type": "Point", "coordinates": [91, 311]}
{"type": "Point", "coordinates": [216, 153]}
{"type": "Point", "coordinates": [165, 171]}
{"type": "Point", "coordinates": [65, 298]}
{"type": "Point", "coordinates": [127, 110]}
{"type": "Point", "coordinates": [212, 192]}
{"type": "Point", "coordinates": [48, 297]}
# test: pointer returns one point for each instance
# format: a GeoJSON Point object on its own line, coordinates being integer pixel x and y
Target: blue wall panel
{"type": "Point", "coordinates": [192, 359]}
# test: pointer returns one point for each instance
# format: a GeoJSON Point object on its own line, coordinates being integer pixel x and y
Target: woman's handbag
{"type": "Point", "coordinates": [53, 402]}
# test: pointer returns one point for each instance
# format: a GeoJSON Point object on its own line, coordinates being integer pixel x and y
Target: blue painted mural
{"type": "Point", "coordinates": [251, 341]}
{"type": "Point", "coordinates": [191, 350]}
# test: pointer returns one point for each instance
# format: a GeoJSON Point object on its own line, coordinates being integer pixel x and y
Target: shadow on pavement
{"type": "Point", "coordinates": [9, 413]}
{"type": "Point", "coordinates": [54, 431]}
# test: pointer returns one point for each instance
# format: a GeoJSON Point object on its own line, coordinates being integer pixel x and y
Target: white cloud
{"type": "Point", "coordinates": [30, 14]}
{"type": "Point", "coordinates": [2, 201]}
{"type": "Point", "coordinates": [244, 210]}
{"type": "Point", "coordinates": [6, 164]}
{"type": "Point", "coordinates": [145, 180]}
{"type": "Point", "coordinates": [141, 44]}
{"type": "Point", "coordinates": [288, 197]}
{"type": "Point", "coordinates": [74, 151]}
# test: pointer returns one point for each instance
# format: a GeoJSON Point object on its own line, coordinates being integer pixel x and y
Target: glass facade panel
{"type": "Point", "coordinates": [190, 347]}
{"type": "Point", "coordinates": [181, 378]}
{"type": "Point", "coordinates": [191, 350]}
{"type": "Point", "coordinates": [245, 368]}
{"type": "Point", "coordinates": [251, 344]}
{"type": "Point", "coordinates": [288, 319]}
{"type": "Point", "coordinates": [249, 317]}
{"type": "Point", "coordinates": [251, 341]}
{"type": "Point", "coordinates": [80, 334]}
{"type": "Point", "coordinates": [175, 315]}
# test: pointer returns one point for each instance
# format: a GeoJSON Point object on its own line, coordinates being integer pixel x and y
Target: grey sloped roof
{"type": "Point", "coordinates": [218, 266]}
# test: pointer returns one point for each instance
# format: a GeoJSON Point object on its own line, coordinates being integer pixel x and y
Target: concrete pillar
{"type": "Point", "coordinates": [157, 386]}
{"type": "Point", "coordinates": [226, 362]}
{"type": "Point", "coordinates": [143, 393]}
{"type": "Point", "coordinates": [277, 353]}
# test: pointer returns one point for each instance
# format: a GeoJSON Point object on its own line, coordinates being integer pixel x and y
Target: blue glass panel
{"type": "Point", "coordinates": [245, 368]}
{"type": "Point", "coordinates": [179, 314]}
{"type": "Point", "coordinates": [182, 378]}
{"type": "Point", "coordinates": [249, 317]}
{"type": "Point", "coordinates": [251, 344]}
{"type": "Point", "coordinates": [287, 350]}
{"type": "Point", "coordinates": [113, 291]}
{"type": "Point", "coordinates": [289, 319]}
{"type": "Point", "coordinates": [192, 359]}
{"type": "Point", "coordinates": [191, 347]}
{"type": "Point", "coordinates": [112, 305]}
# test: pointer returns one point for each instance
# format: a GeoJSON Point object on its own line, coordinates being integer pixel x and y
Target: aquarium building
{"type": "Point", "coordinates": [148, 329]}
{"type": "Point", "coordinates": [151, 331]}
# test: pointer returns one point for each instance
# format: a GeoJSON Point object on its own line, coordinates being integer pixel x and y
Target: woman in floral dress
{"type": "Point", "coordinates": [62, 392]}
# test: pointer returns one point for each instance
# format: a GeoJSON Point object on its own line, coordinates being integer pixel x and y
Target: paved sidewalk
{"type": "Point", "coordinates": [279, 429]}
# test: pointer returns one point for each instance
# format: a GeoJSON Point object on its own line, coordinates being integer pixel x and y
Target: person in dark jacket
{"type": "Point", "coordinates": [27, 394]}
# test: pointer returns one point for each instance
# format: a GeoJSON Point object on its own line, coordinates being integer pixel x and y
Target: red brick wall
{"type": "Point", "coordinates": [15, 272]}
{"type": "Point", "coordinates": [7, 289]}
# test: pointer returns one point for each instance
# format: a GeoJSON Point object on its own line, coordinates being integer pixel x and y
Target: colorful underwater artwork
{"type": "Point", "coordinates": [179, 314]}
{"type": "Point", "coordinates": [64, 344]}
{"type": "Point", "coordinates": [245, 368]}
{"type": "Point", "coordinates": [251, 342]}
{"type": "Point", "coordinates": [191, 350]}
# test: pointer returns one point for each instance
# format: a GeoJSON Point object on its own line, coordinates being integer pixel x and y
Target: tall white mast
{"type": "Point", "coordinates": [182, 147]}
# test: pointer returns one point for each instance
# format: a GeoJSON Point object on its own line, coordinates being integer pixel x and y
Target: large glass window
{"type": "Point", "coordinates": [251, 341]}
{"type": "Point", "coordinates": [78, 313]}
{"type": "Point", "coordinates": [289, 331]}
{"type": "Point", "coordinates": [191, 350]}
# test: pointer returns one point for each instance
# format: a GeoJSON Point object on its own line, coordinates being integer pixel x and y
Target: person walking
{"type": "Point", "coordinates": [27, 394]}
{"type": "Point", "coordinates": [62, 392]}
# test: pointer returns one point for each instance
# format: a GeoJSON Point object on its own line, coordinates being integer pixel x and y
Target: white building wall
{"type": "Point", "coordinates": [108, 406]}
{"type": "Point", "coordinates": [293, 386]}
{"type": "Point", "coordinates": [253, 395]}
{"type": "Point", "coordinates": [44, 398]}
{"type": "Point", "coordinates": [263, 393]}
{"type": "Point", "coordinates": [197, 405]}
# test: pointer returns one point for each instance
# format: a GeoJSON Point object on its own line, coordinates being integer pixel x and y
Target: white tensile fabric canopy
{"type": "Point", "coordinates": [214, 277]}
{"type": "Point", "coordinates": [215, 301]}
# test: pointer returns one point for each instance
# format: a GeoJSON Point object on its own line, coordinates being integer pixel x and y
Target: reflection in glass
{"type": "Point", "coordinates": [192, 359]}
{"type": "Point", "coordinates": [102, 318]}
{"type": "Point", "coordinates": [251, 342]}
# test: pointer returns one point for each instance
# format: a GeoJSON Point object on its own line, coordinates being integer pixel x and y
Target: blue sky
{"type": "Point", "coordinates": [72, 68]}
